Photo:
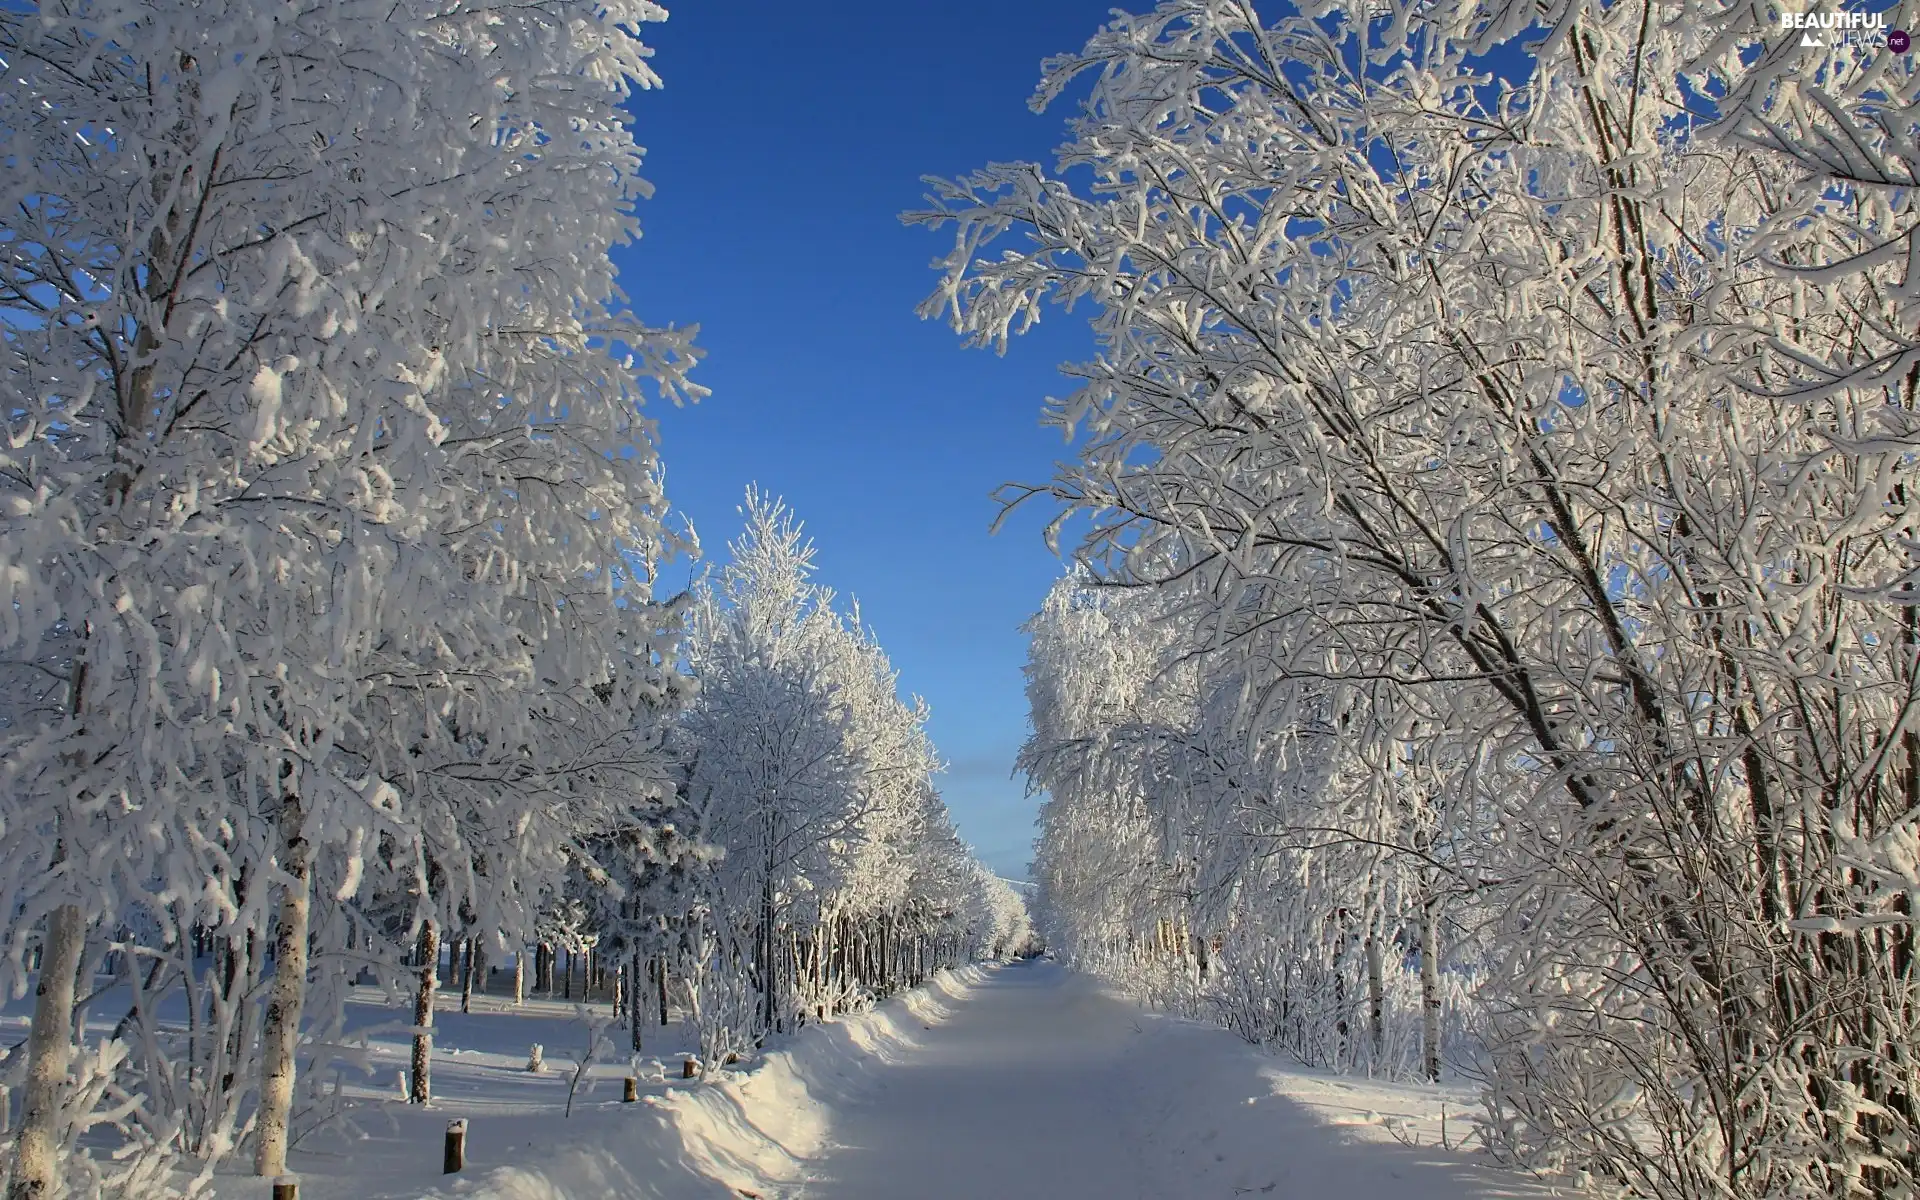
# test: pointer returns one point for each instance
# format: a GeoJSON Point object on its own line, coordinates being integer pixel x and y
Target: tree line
{"type": "Point", "coordinates": [328, 530]}
{"type": "Point", "coordinates": [1494, 639]}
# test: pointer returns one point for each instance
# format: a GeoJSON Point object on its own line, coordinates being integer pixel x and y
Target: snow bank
{"type": "Point", "coordinates": [738, 1132]}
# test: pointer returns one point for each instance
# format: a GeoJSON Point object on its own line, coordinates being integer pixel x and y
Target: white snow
{"type": "Point", "coordinates": [1016, 1081]}
{"type": "Point", "coordinates": [1043, 1085]}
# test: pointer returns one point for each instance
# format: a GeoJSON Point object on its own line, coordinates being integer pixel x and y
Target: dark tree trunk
{"type": "Point", "coordinates": [420, 1090]}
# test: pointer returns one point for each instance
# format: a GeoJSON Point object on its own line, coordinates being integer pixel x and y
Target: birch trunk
{"type": "Point", "coordinates": [1429, 990]}
{"type": "Point", "coordinates": [281, 1037]}
{"type": "Point", "coordinates": [420, 1089]}
{"type": "Point", "coordinates": [36, 1150]}
{"type": "Point", "coordinates": [520, 977]}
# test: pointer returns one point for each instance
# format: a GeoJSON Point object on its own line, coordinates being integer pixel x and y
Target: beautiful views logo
{"type": "Point", "coordinates": [1845, 28]}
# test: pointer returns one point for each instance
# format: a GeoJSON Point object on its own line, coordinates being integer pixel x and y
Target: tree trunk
{"type": "Point", "coordinates": [280, 1039]}
{"type": "Point", "coordinates": [461, 960]}
{"type": "Point", "coordinates": [1376, 1003]}
{"type": "Point", "coordinates": [36, 1150]}
{"type": "Point", "coordinates": [793, 971]}
{"type": "Point", "coordinates": [663, 991]}
{"type": "Point", "coordinates": [634, 1006]}
{"type": "Point", "coordinates": [763, 954]}
{"type": "Point", "coordinates": [1430, 988]}
{"type": "Point", "coordinates": [420, 1090]}
{"type": "Point", "coordinates": [520, 977]}
{"type": "Point", "coordinates": [474, 975]}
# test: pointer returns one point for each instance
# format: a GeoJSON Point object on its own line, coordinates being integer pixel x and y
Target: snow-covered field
{"type": "Point", "coordinates": [1015, 1081]}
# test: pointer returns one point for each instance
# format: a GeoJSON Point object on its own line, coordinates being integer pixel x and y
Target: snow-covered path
{"type": "Point", "coordinates": [1024, 1077]}
{"type": "Point", "coordinates": [1039, 1085]}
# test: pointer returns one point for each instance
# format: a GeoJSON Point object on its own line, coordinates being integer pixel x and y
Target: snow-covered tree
{"type": "Point", "coordinates": [815, 779]}
{"type": "Point", "coordinates": [1242, 860]}
{"type": "Point", "coordinates": [313, 520]}
{"type": "Point", "coordinates": [1554, 432]}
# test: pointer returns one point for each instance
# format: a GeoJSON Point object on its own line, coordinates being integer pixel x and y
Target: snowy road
{"type": "Point", "coordinates": [1038, 1085]}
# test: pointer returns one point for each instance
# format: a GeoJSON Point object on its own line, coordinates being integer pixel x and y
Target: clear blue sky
{"type": "Point", "coordinates": [784, 145]}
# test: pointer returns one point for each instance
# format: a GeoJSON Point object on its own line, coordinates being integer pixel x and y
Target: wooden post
{"type": "Point", "coordinates": [631, 1091]}
{"type": "Point", "coordinates": [688, 1069]}
{"type": "Point", "coordinates": [286, 1187]}
{"type": "Point", "coordinates": [456, 1155]}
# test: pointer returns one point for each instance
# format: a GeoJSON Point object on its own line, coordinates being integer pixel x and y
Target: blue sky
{"type": "Point", "coordinates": [784, 145]}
